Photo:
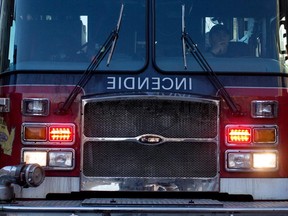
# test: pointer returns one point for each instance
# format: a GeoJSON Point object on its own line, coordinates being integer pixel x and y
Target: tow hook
{"type": "Point", "coordinates": [25, 175]}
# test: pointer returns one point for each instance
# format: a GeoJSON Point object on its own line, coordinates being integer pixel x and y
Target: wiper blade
{"type": "Point", "coordinates": [183, 37]}
{"type": "Point", "coordinates": [189, 44]}
{"type": "Point", "coordinates": [109, 44]}
{"type": "Point", "coordinates": [116, 35]}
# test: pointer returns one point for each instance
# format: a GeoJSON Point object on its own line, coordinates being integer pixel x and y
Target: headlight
{"type": "Point", "coordinates": [265, 160]}
{"type": "Point", "coordinates": [239, 160]}
{"type": "Point", "coordinates": [251, 160]}
{"type": "Point", "coordinates": [60, 159]}
{"type": "Point", "coordinates": [38, 157]}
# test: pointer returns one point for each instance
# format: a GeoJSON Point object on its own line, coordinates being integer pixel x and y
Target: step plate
{"type": "Point", "coordinates": [152, 202]}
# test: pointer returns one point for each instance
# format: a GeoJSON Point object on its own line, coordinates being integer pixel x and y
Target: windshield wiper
{"type": "Point", "coordinates": [109, 44]}
{"type": "Point", "coordinates": [188, 44]}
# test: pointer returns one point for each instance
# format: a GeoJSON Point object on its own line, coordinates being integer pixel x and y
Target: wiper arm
{"type": "Point", "coordinates": [109, 44]}
{"type": "Point", "coordinates": [189, 44]}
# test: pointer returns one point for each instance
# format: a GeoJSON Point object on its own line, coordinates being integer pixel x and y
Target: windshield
{"type": "Point", "coordinates": [232, 35]}
{"type": "Point", "coordinates": [66, 34]}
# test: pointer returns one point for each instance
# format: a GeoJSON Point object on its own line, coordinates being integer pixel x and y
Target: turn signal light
{"type": "Point", "coordinates": [264, 135]}
{"type": "Point", "coordinates": [35, 133]}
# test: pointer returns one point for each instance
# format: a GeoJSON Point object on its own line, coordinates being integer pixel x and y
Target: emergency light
{"type": "Point", "coordinates": [57, 133]}
{"type": "Point", "coordinates": [239, 135]}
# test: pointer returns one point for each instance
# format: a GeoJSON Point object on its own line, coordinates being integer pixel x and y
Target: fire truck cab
{"type": "Point", "coordinates": [104, 99]}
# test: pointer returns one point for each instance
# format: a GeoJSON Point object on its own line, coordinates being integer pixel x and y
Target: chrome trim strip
{"type": "Point", "coordinates": [136, 139]}
{"type": "Point", "coordinates": [228, 207]}
{"type": "Point", "coordinates": [149, 184]}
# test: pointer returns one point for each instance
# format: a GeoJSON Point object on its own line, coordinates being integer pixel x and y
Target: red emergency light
{"type": "Point", "coordinates": [239, 135]}
{"type": "Point", "coordinates": [57, 133]}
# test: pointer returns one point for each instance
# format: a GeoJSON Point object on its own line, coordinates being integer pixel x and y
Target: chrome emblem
{"type": "Point", "coordinates": [150, 139]}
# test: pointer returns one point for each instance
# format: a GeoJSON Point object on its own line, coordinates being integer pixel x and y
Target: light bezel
{"type": "Point", "coordinates": [252, 168]}
{"type": "Point", "coordinates": [47, 151]}
{"type": "Point", "coordinates": [274, 113]}
{"type": "Point", "coordinates": [24, 104]}
{"type": "Point", "coordinates": [253, 127]}
{"type": "Point", "coordinates": [47, 141]}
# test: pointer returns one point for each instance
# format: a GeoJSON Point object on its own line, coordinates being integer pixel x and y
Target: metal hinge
{"type": "Point", "coordinates": [4, 104]}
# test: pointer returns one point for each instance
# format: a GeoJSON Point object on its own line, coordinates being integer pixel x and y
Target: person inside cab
{"type": "Point", "coordinates": [221, 46]}
{"type": "Point", "coordinates": [219, 40]}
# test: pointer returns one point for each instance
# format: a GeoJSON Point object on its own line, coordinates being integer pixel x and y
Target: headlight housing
{"type": "Point", "coordinates": [250, 161]}
{"type": "Point", "coordinates": [50, 158]}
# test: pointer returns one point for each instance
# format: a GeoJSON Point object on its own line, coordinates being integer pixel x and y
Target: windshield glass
{"type": "Point", "coordinates": [66, 34]}
{"type": "Point", "coordinates": [232, 35]}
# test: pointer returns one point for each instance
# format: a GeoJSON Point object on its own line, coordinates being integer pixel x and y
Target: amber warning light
{"type": "Point", "coordinates": [60, 134]}
{"type": "Point", "coordinates": [239, 135]}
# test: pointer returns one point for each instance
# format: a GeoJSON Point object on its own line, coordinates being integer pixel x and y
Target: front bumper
{"type": "Point", "coordinates": [127, 206]}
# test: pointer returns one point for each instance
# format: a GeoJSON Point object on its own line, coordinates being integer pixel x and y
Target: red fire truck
{"type": "Point", "coordinates": [121, 106]}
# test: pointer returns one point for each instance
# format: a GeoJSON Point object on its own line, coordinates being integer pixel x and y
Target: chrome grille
{"type": "Point", "coordinates": [113, 153]}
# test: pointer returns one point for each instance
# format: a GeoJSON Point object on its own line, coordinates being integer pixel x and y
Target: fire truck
{"type": "Point", "coordinates": [120, 107]}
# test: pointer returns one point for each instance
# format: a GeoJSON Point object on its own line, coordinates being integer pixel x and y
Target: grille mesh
{"type": "Point", "coordinates": [135, 117]}
{"type": "Point", "coordinates": [168, 118]}
{"type": "Point", "coordinates": [131, 159]}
